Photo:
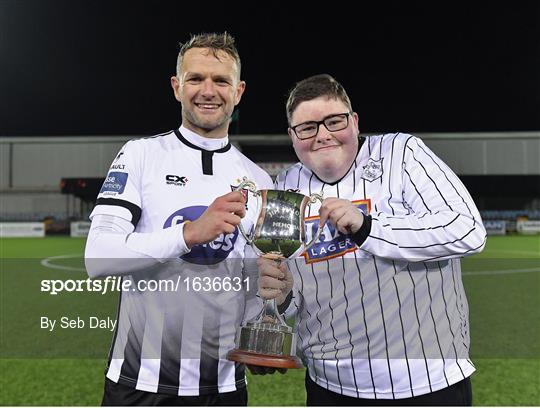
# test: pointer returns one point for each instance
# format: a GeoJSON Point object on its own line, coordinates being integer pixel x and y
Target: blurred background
{"type": "Point", "coordinates": [79, 78]}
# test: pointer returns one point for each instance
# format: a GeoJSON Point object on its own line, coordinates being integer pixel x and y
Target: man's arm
{"type": "Point", "coordinates": [443, 221]}
{"type": "Point", "coordinates": [113, 248]}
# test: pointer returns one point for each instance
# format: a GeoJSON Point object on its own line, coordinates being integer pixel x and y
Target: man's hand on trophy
{"type": "Point", "coordinates": [259, 370]}
{"type": "Point", "coordinates": [221, 217]}
{"type": "Point", "coordinates": [275, 279]}
{"type": "Point", "coordinates": [344, 215]}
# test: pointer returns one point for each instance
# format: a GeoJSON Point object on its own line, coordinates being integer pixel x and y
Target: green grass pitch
{"type": "Point", "coordinates": [40, 368]}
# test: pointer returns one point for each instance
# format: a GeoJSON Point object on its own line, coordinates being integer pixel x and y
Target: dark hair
{"type": "Point", "coordinates": [215, 42]}
{"type": "Point", "coordinates": [314, 87]}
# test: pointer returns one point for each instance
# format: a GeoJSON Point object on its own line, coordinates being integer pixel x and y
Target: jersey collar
{"type": "Point", "coordinates": [206, 155]}
{"type": "Point", "coordinates": [198, 142]}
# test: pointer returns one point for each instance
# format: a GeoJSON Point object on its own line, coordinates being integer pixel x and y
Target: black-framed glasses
{"type": "Point", "coordinates": [332, 123]}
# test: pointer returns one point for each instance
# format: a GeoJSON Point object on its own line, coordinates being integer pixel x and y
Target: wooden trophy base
{"type": "Point", "coordinates": [264, 360]}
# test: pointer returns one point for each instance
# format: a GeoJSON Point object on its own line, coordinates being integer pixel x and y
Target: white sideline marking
{"type": "Point", "coordinates": [47, 263]}
{"type": "Point", "coordinates": [508, 251]}
{"type": "Point", "coordinates": [502, 271]}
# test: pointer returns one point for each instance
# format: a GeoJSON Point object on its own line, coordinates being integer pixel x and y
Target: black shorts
{"type": "Point", "coordinates": [458, 394]}
{"type": "Point", "coordinates": [121, 395]}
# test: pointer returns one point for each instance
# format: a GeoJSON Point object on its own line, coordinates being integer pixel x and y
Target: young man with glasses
{"type": "Point", "coordinates": [380, 308]}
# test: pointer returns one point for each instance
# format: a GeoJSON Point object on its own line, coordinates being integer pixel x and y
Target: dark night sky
{"type": "Point", "coordinates": [102, 67]}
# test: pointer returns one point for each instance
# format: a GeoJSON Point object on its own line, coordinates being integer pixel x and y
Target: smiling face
{"type": "Point", "coordinates": [208, 86]}
{"type": "Point", "coordinates": [329, 154]}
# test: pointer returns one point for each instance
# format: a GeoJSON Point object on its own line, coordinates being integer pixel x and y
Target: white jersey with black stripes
{"type": "Point", "coordinates": [388, 318]}
{"type": "Point", "coordinates": [179, 315]}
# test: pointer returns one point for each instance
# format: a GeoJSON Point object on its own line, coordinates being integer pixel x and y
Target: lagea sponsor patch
{"type": "Point", "coordinates": [114, 183]}
{"type": "Point", "coordinates": [331, 242]}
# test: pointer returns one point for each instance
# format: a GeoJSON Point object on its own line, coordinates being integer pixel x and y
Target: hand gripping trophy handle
{"type": "Point", "coordinates": [313, 198]}
{"type": "Point", "coordinates": [278, 233]}
{"type": "Point", "coordinates": [252, 188]}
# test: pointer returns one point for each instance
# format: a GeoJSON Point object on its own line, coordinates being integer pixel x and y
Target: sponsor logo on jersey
{"type": "Point", "coordinates": [174, 180]}
{"type": "Point", "coordinates": [293, 190]}
{"type": "Point", "coordinates": [118, 167]}
{"type": "Point", "coordinates": [373, 170]}
{"type": "Point", "coordinates": [205, 254]}
{"type": "Point", "coordinates": [331, 242]}
{"type": "Point", "coordinates": [115, 183]}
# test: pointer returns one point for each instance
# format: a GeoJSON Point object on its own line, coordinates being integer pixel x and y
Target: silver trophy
{"type": "Point", "coordinates": [278, 234]}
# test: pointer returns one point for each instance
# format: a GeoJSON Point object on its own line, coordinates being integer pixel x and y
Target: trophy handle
{"type": "Point", "coordinates": [252, 188]}
{"type": "Point", "coordinates": [313, 198]}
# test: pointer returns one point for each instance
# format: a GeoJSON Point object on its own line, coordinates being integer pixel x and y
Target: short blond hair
{"type": "Point", "coordinates": [215, 42]}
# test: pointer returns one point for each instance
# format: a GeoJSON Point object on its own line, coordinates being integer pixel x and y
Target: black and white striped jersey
{"type": "Point", "coordinates": [388, 319]}
{"type": "Point", "coordinates": [179, 317]}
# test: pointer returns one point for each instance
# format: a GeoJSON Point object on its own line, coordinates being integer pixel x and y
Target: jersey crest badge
{"type": "Point", "coordinates": [372, 170]}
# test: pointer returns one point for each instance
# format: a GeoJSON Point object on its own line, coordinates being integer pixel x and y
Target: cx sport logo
{"type": "Point", "coordinates": [175, 180]}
